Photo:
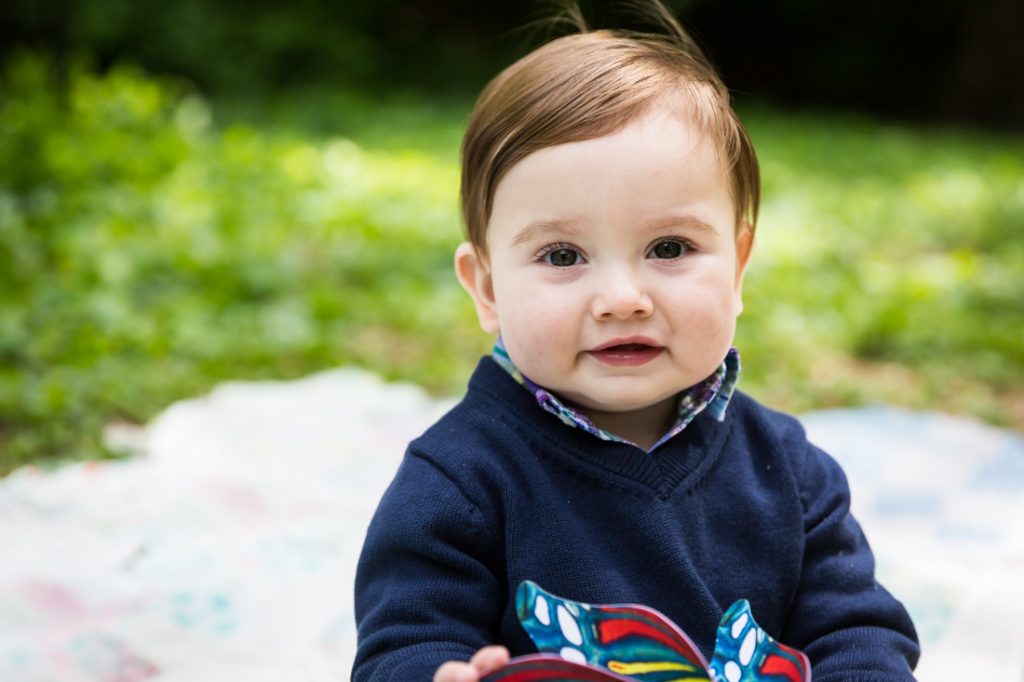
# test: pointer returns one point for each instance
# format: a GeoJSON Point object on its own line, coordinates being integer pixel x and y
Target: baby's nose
{"type": "Point", "coordinates": [622, 297]}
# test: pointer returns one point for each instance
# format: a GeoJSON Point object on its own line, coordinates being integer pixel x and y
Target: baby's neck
{"type": "Point", "coordinates": [645, 426]}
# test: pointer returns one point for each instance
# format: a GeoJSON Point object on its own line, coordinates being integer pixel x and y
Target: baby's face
{"type": "Point", "coordinates": [614, 266]}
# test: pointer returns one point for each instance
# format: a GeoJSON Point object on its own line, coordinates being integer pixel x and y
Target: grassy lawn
{"type": "Point", "coordinates": [153, 244]}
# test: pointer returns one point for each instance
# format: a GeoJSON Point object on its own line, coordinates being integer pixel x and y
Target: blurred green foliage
{"type": "Point", "coordinates": [152, 244]}
{"type": "Point", "coordinates": [890, 267]}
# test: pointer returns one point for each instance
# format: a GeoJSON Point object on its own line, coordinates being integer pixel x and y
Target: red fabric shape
{"type": "Point", "coordinates": [612, 630]}
{"type": "Point", "coordinates": [779, 665]}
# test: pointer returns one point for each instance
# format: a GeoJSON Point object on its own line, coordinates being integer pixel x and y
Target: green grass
{"type": "Point", "coordinates": [890, 267]}
{"type": "Point", "coordinates": [153, 244]}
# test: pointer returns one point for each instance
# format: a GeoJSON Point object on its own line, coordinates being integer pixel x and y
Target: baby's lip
{"type": "Point", "coordinates": [627, 343]}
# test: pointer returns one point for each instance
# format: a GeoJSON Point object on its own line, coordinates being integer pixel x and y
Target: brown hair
{"type": "Point", "coordinates": [590, 84]}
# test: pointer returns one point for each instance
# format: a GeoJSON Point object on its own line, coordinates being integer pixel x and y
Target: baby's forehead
{"type": "Point", "coordinates": [657, 173]}
{"type": "Point", "coordinates": [671, 121]}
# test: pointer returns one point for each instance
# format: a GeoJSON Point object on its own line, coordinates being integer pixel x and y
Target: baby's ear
{"type": "Point", "coordinates": [744, 247]}
{"type": "Point", "coordinates": [474, 273]}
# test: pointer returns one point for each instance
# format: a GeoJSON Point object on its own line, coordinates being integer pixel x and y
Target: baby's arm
{"type": "Point", "coordinates": [426, 589]}
{"type": "Point", "coordinates": [848, 625]}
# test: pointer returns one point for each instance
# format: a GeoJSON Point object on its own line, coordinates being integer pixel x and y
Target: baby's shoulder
{"type": "Point", "coordinates": [474, 434]}
{"type": "Point", "coordinates": [759, 420]}
{"type": "Point", "coordinates": [472, 419]}
{"type": "Point", "coordinates": [781, 437]}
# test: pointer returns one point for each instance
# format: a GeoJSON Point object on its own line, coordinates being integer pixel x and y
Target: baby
{"type": "Point", "coordinates": [610, 195]}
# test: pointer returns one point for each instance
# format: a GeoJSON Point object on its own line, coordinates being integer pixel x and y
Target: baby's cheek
{"type": "Point", "coordinates": [549, 334]}
{"type": "Point", "coordinates": [544, 341]}
{"type": "Point", "coordinates": [709, 331]}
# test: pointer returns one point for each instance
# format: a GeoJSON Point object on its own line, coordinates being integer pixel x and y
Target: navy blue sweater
{"type": "Point", "coordinates": [499, 491]}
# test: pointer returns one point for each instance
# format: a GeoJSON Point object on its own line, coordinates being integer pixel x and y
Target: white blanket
{"type": "Point", "coordinates": [226, 550]}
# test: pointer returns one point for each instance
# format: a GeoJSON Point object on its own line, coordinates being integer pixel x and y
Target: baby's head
{"type": "Point", "coordinates": [587, 85]}
{"type": "Point", "coordinates": [609, 194]}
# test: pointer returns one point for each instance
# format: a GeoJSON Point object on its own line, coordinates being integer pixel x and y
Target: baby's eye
{"type": "Point", "coordinates": [562, 256]}
{"type": "Point", "coordinates": [668, 249]}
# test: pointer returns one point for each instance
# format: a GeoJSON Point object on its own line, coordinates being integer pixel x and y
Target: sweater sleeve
{"type": "Point", "coordinates": [849, 626]}
{"type": "Point", "coordinates": [424, 591]}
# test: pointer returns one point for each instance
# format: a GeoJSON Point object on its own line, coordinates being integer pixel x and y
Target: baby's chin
{"type": "Point", "coordinates": [621, 405]}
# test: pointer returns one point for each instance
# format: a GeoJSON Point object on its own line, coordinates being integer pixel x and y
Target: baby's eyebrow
{"type": "Point", "coordinates": [546, 228]}
{"type": "Point", "coordinates": [541, 228]}
{"type": "Point", "coordinates": [687, 221]}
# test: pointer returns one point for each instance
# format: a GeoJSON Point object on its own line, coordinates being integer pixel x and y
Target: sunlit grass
{"type": "Point", "coordinates": [152, 244]}
{"type": "Point", "coordinates": [889, 268]}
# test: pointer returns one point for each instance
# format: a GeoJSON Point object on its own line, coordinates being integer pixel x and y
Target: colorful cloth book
{"type": "Point", "coordinates": [628, 642]}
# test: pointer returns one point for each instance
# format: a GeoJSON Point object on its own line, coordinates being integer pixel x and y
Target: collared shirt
{"type": "Point", "coordinates": [712, 394]}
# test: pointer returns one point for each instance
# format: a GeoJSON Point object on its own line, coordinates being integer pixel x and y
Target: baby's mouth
{"type": "Point", "coordinates": [627, 347]}
{"type": "Point", "coordinates": [626, 354]}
